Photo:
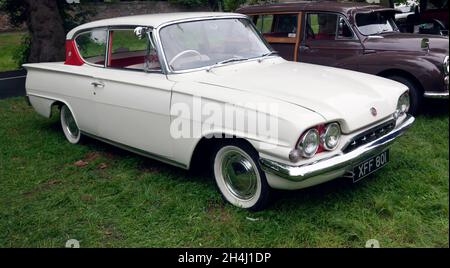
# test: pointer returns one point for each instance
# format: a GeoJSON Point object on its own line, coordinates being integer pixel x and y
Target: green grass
{"type": "Point", "coordinates": [8, 44]}
{"type": "Point", "coordinates": [123, 200]}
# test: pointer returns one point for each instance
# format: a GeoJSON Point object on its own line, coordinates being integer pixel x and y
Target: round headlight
{"type": "Point", "coordinates": [309, 143]}
{"type": "Point", "coordinates": [446, 65]}
{"type": "Point", "coordinates": [330, 139]}
{"type": "Point", "coordinates": [403, 103]}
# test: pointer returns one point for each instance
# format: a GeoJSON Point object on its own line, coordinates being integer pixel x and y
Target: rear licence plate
{"type": "Point", "coordinates": [370, 165]}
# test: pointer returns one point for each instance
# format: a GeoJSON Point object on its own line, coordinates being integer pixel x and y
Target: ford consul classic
{"type": "Point", "coordinates": [205, 89]}
{"type": "Point", "coordinates": [357, 36]}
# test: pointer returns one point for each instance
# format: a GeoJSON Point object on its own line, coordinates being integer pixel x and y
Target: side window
{"type": "Point", "coordinates": [264, 23]}
{"type": "Point", "coordinates": [344, 30]}
{"type": "Point", "coordinates": [92, 46]}
{"type": "Point", "coordinates": [283, 25]}
{"type": "Point", "coordinates": [321, 26]}
{"type": "Point", "coordinates": [127, 51]}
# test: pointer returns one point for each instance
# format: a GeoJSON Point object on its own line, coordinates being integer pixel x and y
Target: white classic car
{"type": "Point", "coordinates": [205, 88]}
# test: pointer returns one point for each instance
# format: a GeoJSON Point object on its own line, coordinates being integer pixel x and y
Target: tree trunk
{"type": "Point", "coordinates": [47, 32]}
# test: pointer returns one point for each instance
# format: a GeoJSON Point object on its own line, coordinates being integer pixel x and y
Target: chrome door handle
{"type": "Point", "coordinates": [98, 84]}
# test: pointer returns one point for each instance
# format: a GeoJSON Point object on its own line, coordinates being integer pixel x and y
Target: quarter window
{"type": "Point", "coordinates": [281, 25]}
{"type": "Point", "coordinates": [92, 46]}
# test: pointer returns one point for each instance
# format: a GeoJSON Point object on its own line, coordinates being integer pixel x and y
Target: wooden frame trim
{"type": "Point", "coordinates": [281, 40]}
{"type": "Point", "coordinates": [298, 37]}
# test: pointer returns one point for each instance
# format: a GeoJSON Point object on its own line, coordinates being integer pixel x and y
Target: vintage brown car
{"type": "Point", "coordinates": [358, 37]}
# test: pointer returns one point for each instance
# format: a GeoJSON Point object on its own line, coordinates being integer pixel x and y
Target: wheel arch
{"type": "Point", "coordinates": [405, 74]}
{"type": "Point", "coordinates": [207, 144]}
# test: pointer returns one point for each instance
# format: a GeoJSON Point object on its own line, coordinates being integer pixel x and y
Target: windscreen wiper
{"type": "Point", "coordinates": [268, 54]}
{"type": "Point", "coordinates": [234, 59]}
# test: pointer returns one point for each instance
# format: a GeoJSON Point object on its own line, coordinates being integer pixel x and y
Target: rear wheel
{"type": "Point", "coordinates": [69, 126]}
{"type": "Point", "coordinates": [415, 94]}
{"type": "Point", "coordinates": [239, 176]}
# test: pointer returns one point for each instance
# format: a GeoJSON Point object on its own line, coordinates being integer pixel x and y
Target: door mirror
{"type": "Point", "coordinates": [140, 32]}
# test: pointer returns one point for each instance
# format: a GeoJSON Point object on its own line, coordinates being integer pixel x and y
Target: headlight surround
{"type": "Point", "coordinates": [403, 103]}
{"type": "Point", "coordinates": [309, 143]}
{"type": "Point", "coordinates": [446, 66]}
{"type": "Point", "coordinates": [330, 138]}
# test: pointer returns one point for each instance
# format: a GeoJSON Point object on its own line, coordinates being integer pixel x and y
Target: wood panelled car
{"type": "Point", "coordinates": [358, 37]}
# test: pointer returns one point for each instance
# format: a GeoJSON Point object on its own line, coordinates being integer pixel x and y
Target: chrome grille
{"type": "Point", "coordinates": [369, 135]}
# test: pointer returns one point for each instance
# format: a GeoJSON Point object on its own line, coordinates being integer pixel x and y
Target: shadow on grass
{"type": "Point", "coordinates": [341, 187]}
{"type": "Point", "coordinates": [435, 107]}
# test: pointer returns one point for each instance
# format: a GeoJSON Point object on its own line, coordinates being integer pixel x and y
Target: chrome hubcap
{"type": "Point", "coordinates": [239, 175]}
{"type": "Point", "coordinates": [70, 123]}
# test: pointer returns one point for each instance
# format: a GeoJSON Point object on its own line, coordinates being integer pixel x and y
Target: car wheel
{"type": "Point", "coordinates": [415, 94]}
{"type": "Point", "coordinates": [239, 176]}
{"type": "Point", "coordinates": [69, 126]}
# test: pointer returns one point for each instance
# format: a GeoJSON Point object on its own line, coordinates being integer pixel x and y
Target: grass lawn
{"type": "Point", "coordinates": [8, 44]}
{"type": "Point", "coordinates": [123, 200]}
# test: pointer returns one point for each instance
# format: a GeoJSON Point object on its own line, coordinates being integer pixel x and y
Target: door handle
{"type": "Point", "coordinates": [98, 84]}
{"type": "Point", "coordinates": [304, 47]}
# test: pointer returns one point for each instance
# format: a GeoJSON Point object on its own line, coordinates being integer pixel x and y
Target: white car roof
{"type": "Point", "coordinates": [151, 20]}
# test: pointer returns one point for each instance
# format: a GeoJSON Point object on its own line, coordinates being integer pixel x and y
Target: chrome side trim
{"type": "Point", "coordinates": [138, 151]}
{"type": "Point", "coordinates": [436, 95]}
{"type": "Point", "coordinates": [339, 162]}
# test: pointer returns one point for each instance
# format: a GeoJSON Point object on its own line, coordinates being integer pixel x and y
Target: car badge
{"type": "Point", "coordinates": [373, 111]}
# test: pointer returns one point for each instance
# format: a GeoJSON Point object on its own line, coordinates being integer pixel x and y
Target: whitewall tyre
{"type": "Point", "coordinates": [239, 176]}
{"type": "Point", "coordinates": [69, 125]}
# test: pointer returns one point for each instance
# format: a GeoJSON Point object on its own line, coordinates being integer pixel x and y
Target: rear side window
{"type": "Point", "coordinates": [92, 46]}
{"type": "Point", "coordinates": [281, 25]}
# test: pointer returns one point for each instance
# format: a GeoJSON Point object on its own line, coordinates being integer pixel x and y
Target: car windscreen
{"type": "Point", "coordinates": [374, 23]}
{"type": "Point", "coordinates": [197, 44]}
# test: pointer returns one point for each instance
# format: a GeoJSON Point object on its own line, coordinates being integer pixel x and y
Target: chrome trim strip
{"type": "Point", "coordinates": [436, 95]}
{"type": "Point", "coordinates": [138, 151]}
{"type": "Point", "coordinates": [339, 162]}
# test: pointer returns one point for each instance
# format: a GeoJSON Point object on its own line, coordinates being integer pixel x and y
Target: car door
{"type": "Point", "coordinates": [281, 31]}
{"type": "Point", "coordinates": [133, 95]}
{"type": "Point", "coordinates": [91, 46]}
{"type": "Point", "coordinates": [329, 40]}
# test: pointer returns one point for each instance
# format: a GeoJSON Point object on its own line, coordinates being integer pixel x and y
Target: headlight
{"type": "Point", "coordinates": [309, 143]}
{"type": "Point", "coordinates": [403, 103]}
{"type": "Point", "coordinates": [446, 65]}
{"type": "Point", "coordinates": [330, 138]}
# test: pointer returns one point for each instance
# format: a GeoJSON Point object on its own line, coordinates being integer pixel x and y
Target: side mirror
{"type": "Point", "coordinates": [425, 44]}
{"type": "Point", "coordinates": [140, 32]}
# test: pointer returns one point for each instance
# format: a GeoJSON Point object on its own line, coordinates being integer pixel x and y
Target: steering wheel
{"type": "Point", "coordinates": [185, 52]}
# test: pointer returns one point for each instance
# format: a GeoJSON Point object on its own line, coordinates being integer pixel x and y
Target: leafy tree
{"type": "Point", "coordinates": [47, 21]}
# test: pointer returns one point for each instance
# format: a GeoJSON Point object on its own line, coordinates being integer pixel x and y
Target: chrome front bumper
{"type": "Point", "coordinates": [436, 95]}
{"type": "Point", "coordinates": [339, 162]}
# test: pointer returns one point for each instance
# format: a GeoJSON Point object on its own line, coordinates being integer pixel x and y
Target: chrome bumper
{"type": "Point", "coordinates": [339, 162]}
{"type": "Point", "coordinates": [436, 95]}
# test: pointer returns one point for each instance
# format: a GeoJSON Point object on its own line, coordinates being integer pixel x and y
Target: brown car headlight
{"type": "Point", "coordinates": [403, 103]}
{"type": "Point", "coordinates": [330, 138]}
{"type": "Point", "coordinates": [446, 66]}
{"type": "Point", "coordinates": [309, 143]}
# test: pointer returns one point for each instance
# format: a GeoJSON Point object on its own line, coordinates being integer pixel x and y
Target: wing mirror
{"type": "Point", "coordinates": [140, 32]}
